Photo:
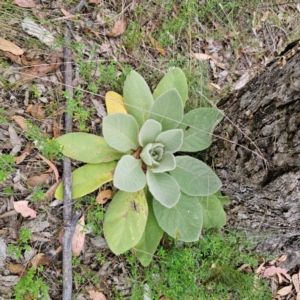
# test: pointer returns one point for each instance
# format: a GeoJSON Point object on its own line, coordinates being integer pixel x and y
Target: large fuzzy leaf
{"type": "Point", "coordinates": [146, 247]}
{"type": "Point", "coordinates": [173, 79]}
{"type": "Point", "coordinates": [163, 187]}
{"type": "Point", "coordinates": [199, 125]}
{"type": "Point", "coordinates": [121, 132]}
{"type": "Point", "coordinates": [87, 148]}
{"type": "Point", "coordinates": [149, 132]}
{"type": "Point", "coordinates": [138, 98]}
{"type": "Point", "coordinates": [195, 177]}
{"type": "Point", "coordinates": [167, 163]}
{"type": "Point", "coordinates": [171, 139]}
{"type": "Point", "coordinates": [167, 110]}
{"type": "Point", "coordinates": [182, 221]}
{"type": "Point", "coordinates": [129, 175]}
{"type": "Point", "coordinates": [114, 103]}
{"type": "Point", "coordinates": [88, 178]}
{"type": "Point", "coordinates": [214, 215]}
{"type": "Point", "coordinates": [125, 221]}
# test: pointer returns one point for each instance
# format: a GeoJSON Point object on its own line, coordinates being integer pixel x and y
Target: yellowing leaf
{"type": "Point", "coordinates": [114, 103]}
{"type": "Point", "coordinates": [22, 208]}
{"type": "Point", "coordinates": [6, 45]}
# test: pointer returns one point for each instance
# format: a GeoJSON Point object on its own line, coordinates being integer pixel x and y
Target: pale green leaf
{"type": "Point", "coordinates": [125, 221]}
{"type": "Point", "coordinates": [183, 221]}
{"type": "Point", "coordinates": [167, 163]}
{"type": "Point", "coordinates": [138, 98]}
{"type": "Point", "coordinates": [87, 148]}
{"type": "Point", "coordinates": [152, 235]}
{"type": "Point", "coordinates": [223, 199]}
{"type": "Point", "coordinates": [167, 110]}
{"type": "Point", "coordinates": [214, 215]}
{"type": "Point", "coordinates": [149, 132]}
{"type": "Point", "coordinates": [195, 177]}
{"type": "Point", "coordinates": [87, 179]}
{"type": "Point", "coordinates": [171, 139]}
{"type": "Point", "coordinates": [173, 79]}
{"type": "Point", "coordinates": [198, 126]}
{"type": "Point", "coordinates": [163, 187]}
{"type": "Point", "coordinates": [121, 132]}
{"type": "Point", "coordinates": [129, 175]}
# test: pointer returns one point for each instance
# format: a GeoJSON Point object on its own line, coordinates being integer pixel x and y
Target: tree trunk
{"type": "Point", "coordinates": [260, 170]}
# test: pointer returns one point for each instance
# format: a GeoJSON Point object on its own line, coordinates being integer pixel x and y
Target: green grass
{"type": "Point", "coordinates": [203, 270]}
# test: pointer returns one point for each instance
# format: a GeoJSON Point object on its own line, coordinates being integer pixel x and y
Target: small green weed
{"type": "Point", "coordinates": [47, 146]}
{"type": "Point", "coordinates": [22, 243]}
{"type": "Point", "coordinates": [31, 286]}
{"type": "Point", "coordinates": [80, 114]}
{"type": "Point", "coordinates": [203, 270]}
{"type": "Point", "coordinates": [6, 166]}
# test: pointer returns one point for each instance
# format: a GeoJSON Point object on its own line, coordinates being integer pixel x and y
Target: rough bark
{"type": "Point", "coordinates": [264, 181]}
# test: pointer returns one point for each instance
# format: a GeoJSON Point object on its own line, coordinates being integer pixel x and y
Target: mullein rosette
{"type": "Point", "coordinates": [158, 190]}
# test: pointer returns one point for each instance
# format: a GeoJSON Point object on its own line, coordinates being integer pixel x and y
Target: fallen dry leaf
{"type": "Point", "coordinates": [16, 268]}
{"type": "Point", "coordinates": [104, 196]}
{"type": "Point", "coordinates": [24, 154]}
{"type": "Point", "coordinates": [295, 280]}
{"type": "Point", "coordinates": [20, 121]}
{"type": "Point", "coordinates": [201, 56]}
{"type": "Point", "coordinates": [6, 45]}
{"type": "Point", "coordinates": [273, 270]}
{"type": "Point", "coordinates": [284, 291]}
{"type": "Point", "coordinates": [119, 28]}
{"type": "Point", "coordinates": [265, 16]}
{"type": "Point", "coordinates": [78, 238]}
{"type": "Point", "coordinates": [22, 208]}
{"type": "Point", "coordinates": [25, 3]}
{"type": "Point", "coordinates": [68, 15]}
{"type": "Point", "coordinates": [12, 57]}
{"type": "Point", "coordinates": [42, 69]}
{"type": "Point", "coordinates": [15, 140]}
{"type": "Point", "coordinates": [36, 110]}
{"type": "Point", "coordinates": [94, 295]}
{"type": "Point", "coordinates": [38, 260]}
{"type": "Point", "coordinates": [157, 46]}
{"type": "Point", "coordinates": [51, 165]}
{"type": "Point", "coordinates": [49, 195]}
{"type": "Point", "coordinates": [38, 180]}
{"type": "Point", "coordinates": [94, 1]}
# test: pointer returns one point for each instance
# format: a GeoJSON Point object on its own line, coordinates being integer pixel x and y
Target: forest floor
{"type": "Point", "coordinates": [220, 46]}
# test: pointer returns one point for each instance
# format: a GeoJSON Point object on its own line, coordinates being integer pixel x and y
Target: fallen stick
{"type": "Point", "coordinates": [70, 219]}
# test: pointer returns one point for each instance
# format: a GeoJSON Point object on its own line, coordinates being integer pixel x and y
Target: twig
{"type": "Point", "coordinates": [69, 219]}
